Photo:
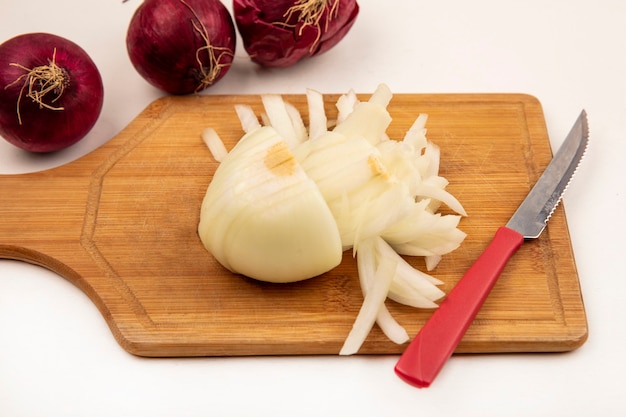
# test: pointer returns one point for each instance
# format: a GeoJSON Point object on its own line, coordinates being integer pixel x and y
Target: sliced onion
{"type": "Point", "coordinates": [368, 120]}
{"type": "Point", "coordinates": [214, 143]}
{"type": "Point", "coordinates": [248, 119]}
{"type": "Point", "coordinates": [345, 105]}
{"type": "Point", "coordinates": [375, 296]}
{"type": "Point", "coordinates": [416, 135]}
{"type": "Point", "coordinates": [438, 194]}
{"type": "Point", "coordinates": [432, 261]}
{"type": "Point", "coordinates": [318, 123]}
{"type": "Point", "coordinates": [382, 195]}
{"type": "Point", "coordinates": [367, 259]}
{"type": "Point", "coordinates": [285, 119]}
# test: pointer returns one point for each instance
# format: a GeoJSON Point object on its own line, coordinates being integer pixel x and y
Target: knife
{"type": "Point", "coordinates": [436, 341]}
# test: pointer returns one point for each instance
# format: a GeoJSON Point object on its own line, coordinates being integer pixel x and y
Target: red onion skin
{"type": "Point", "coordinates": [162, 43]}
{"type": "Point", "coordinates": [273, 44]}
{"type": "Point", "coordinates": [43, 129]}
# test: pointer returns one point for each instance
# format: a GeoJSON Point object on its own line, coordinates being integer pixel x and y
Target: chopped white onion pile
{"type": "Point", "coordinates": [288, 199]}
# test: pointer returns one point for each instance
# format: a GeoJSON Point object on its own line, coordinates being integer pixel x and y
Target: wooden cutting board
{"type": "Point", "coordinates": [120, 223]}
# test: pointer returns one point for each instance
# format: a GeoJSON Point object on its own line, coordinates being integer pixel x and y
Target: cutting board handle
{"type": "Point", "coordinates": [49, 219]}
{"type": "Point", "coordinates": [43, 210]}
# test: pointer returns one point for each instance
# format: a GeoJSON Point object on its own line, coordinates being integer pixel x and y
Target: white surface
{"type": "Point", "coordinates": [58, 357]}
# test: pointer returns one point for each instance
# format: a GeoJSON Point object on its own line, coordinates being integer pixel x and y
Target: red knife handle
{"type": "Point", "coordinates": [436, 341]}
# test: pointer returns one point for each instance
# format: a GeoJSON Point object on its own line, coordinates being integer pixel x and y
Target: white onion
{"type": "Point", "coordinates": [214, 143]}
{"type": "Point", "coordinates": [318, 123]}
{"type": "Point", "coordinates": [367, 192]}
{"type": "Point", "coordinates": [247, 118]}
{"type": "Point", "coordinates": [345, 105]}
{"type": "Point", "coordinates": [375, 295]}
{"type": "Point", "coordinates": [264, 218]}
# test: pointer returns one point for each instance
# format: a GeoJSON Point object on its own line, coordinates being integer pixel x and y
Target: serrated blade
{"type": "Point", "coordinates": [533, 214]}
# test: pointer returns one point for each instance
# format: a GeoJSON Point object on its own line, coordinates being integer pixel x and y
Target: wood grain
{"type": "Point", "coordinates": [120, 223]}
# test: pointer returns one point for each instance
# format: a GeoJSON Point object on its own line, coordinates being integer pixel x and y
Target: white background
{"type": "Point", "coordinates": [58, 357]}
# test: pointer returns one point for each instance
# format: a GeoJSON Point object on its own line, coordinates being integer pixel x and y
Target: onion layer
{"type": "Point", "coordinates": [280, 33]}
{"type": "Point", "coordinates": [51, 92]}
{"type": "Point", "coordinates": [181, 46]}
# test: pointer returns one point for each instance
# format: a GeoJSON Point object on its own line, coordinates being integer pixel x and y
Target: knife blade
{"type": "Point", "coordinates": [436, 341]}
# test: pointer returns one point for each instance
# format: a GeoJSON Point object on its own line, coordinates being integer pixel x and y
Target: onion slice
{"type": "Point", "coordinates": [214, 143]}
{"type": "Point", "coordinates": [248, 119]}
{"type": "Point", "coordinates": [318, 123]}
{"type": "Point", "coordinates": [375, 296]}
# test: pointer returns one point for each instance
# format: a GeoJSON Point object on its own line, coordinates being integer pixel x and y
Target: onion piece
{"type": "Point", "coordinates": [366, 263]}
{"type": "Point", "coordinates": [214, 143]}
{"type": "Point", "coordinates": [297, 123]}
{"type": "Point", "coordinates": [425, 234]}
{"type": "Point", "coordinates": [247, 118]}
{"type": "Point", "coordinates": [432, 261]}
{"type": "Point", "coordinates": [435, 193]}
{"type": "Point", "coordinates": [318, 123]}
{"type": "Point", "coordinates": [278, 117]}
{"type": "Point", "coordinates": [368, 120]}
{"type": "Point", "coordinates": [411, 286]}
{"type": "Point", "coordinates": [416, 135]}
{"type": "Point", "coordinates": [282, 117]}
{"type": "Point", "coordinates": [374, 298]}
{"type": "Point", "coordinates": [345, 105]}
{"type": "Point", "coordinates": [433, 154]}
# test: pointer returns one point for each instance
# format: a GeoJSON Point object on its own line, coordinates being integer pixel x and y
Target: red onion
{"type": "Point", "coordinates": [181, 46]}
{"type": "Point", "coordinates": [279, 33]}
{"type": "Point", "coordinates": [51, 92]}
